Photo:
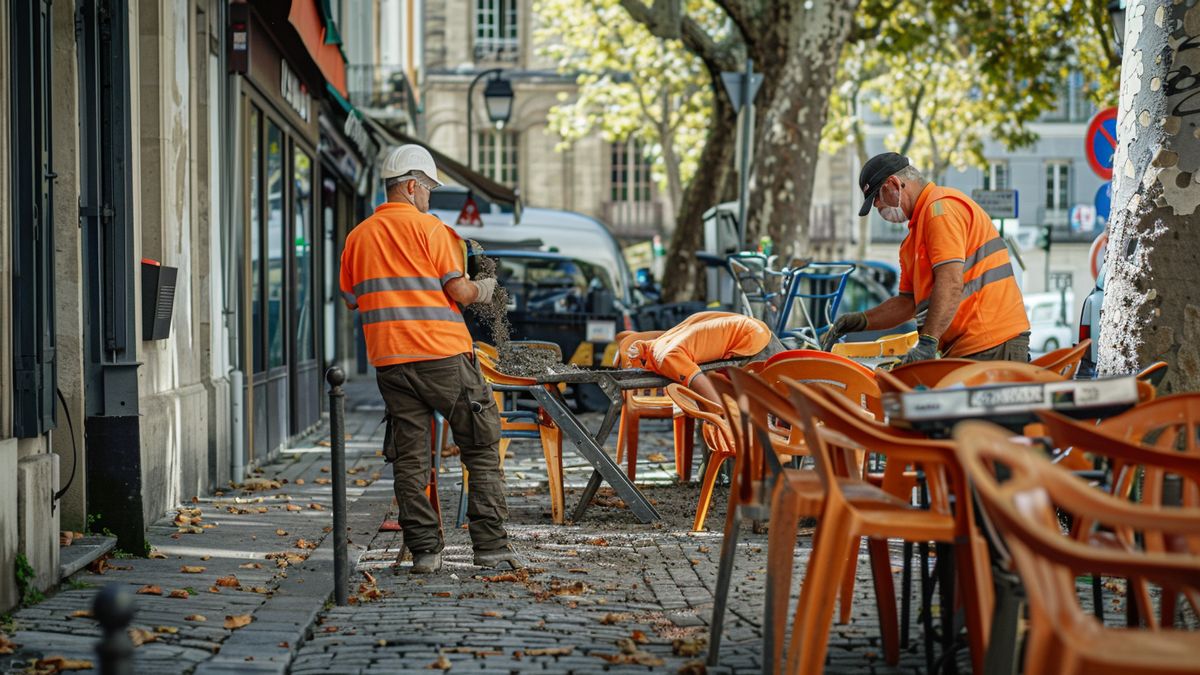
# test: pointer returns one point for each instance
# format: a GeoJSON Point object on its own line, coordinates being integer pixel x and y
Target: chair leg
{"type": "Point", "coordinates": [706, 488]}
{"type": "Point", "coordinates": [846, 591]}
{"type": "Point", "coordinates": [781, 556]}
{"type": "Point", "coordinates": [461, 519]}
{"type": "Point", "coordinates": [975, 571]}
{"type": "Point", "coordinates": [1168, 604]}
{"type": "Point", "coordinates": [885, 598]}
{"type": "Point", "coordinates": [906, 594]}
{"type": "Point", "coordinates": [622, 422]}
{"type": "Point", "coordinates": [721, 595]}
{"type": "Point", "coordinates": [631, 445]}
{"type": "Point", "coordinates": [683, 431]}
{"type": "Point", "coordinates": [551, 437]}
{"type": "Point", "coordinates": [818, 593]}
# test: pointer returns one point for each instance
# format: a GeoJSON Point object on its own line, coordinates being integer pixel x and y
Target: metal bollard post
{"type": "Point", "coordinates": [337, 448]}
{"type": "Point", "coordinates": [114, 609]}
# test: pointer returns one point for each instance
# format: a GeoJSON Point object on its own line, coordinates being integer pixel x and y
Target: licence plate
{"type": "Point", "coordinates": [601, 331]}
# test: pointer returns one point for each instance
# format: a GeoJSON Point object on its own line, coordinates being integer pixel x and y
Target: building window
{"type": "Point", "coordinates": [995, 177]}
{"type": "Point", "coordinates": [498, 158]}
{"type": "Point", "coordinates": [630, 172]}
{"type": "Point", "coordinates": [496, 30]}
{"type": "Point", "coordinates": [256, 258]}
{"type": "Point", "coordinates": [1058, 191]}
{"type": "Point", "coordinates": [303, 242]}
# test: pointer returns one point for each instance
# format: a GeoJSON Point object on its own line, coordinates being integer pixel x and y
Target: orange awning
{"type": "Point", "coordinates": [305, 17]}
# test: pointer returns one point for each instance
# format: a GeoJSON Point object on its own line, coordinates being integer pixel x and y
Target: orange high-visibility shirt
{"type": "Point", "coordinates": [702, 338]}
{"type": "Point", "coordinates": [394, 267]}
{"type": "Point", "coordinates": [947, 226]}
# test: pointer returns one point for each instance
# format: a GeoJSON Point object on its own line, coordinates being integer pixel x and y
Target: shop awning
{"type": "Point", "coordinates": [457, 171]}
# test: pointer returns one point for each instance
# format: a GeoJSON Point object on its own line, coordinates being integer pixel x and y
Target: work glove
{"type": "Point", "coordinates": [486, 288]}
{"type": "Point", "coordinates": [846, 323]}
{"type": "Point", "coordinates": [925, 349]}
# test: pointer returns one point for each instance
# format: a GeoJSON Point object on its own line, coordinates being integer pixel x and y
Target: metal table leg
{"type": "Point", "coordinates": [592, 449]}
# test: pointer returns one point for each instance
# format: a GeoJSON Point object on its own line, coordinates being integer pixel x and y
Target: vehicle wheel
{"type": "Point", "coordinates": [1051, 345]}
{"type": "Point", "coordinates": [590, 398]}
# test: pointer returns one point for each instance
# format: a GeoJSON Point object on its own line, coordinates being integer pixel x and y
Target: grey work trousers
{"type": "Point", "coordinates": [1014, 349]}
{"type": "Point", "coordinates": [455, 388]}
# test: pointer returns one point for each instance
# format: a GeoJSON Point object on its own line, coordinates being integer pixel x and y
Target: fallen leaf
{"type": "Point", "coordinates": [324, 469]}
{"type": "Point", "coordinates": [693, 668]}
{"type": "Point", "coordinates": [284, 645]}
{"type": "Point", "coordinates": [298, 481]}
{"type": "Point", "coordinates": [81, 614]}
{"type": "Point", "coordinates": [213, 589]}
{"type": "Point", "coordinates": [323, 443]}
{"type": "Point", "coordinates": [639, 637]}
{"type": "Point", "coordinates": [206, 557]}
{"type": "Point", "coordinates": [261, 509]}
{"type": "Point", "coordinates": [234, 622]}
{"type": "Point", "coordinates": [442, 663]}
{"type": "Point", "coordinates": [256, 484]}
{"type": "Point", "coordinates": [360, 482]}
{"type": "Point", "coordinates": [577, 570]}
{"type": "Point", "coordinates": [198, 618]}
{"type": "Point", "coordinates": [321, 481]}
{"type": "Point", "coordinates": [657, 457]}
{"type": "Point", "coordinates": [7, 646]}
{"type": "Point", "coordinates": [98, 566]}
{"type": "Point", "coordinates": [441, 594]}
{"type": "Point", "coordinates": [250, 566]}
{"type": "Point", "coordinates": [170, 630]}
{"type": "Point", "coordinates": [316, 507]}
{"type": "Point", "coordinates": [281, 532]}
{"type": "Point", "coordinates": [141, 636]}
{"type": "Point", "coordinates": [261, 590]}
{"type": "Point", "coordinates": [192, 569]}
{"type": "Point", "coordinates": [492, 613]}
{"type": "Point", "coordinates": [599, 541]}
{"type": "Point", "coordinates": [354, 470]}
{"type": "Point", "coordinates": [149, 589]}
{"type": "Point", "coordinates": [293, 507]}
{"type": "Point", "coordinates": [331, 629]}
{"type": "Point", "coordinates": [610, 618]}
{"type": "Point", "coordinates": [155, 555]}
{"type": "Point", "coordinates": [304, 543]}
{"type": "Point", "coordinates": [550, 651]}
{"type": "Point", "coordinates": [180, 593]}
{"type": "Point", "coordinates": [191, 529]}
{"type": "Point", "coordinates": [230, 581]}
{"type": "Point", "coordinates": [57, 664]}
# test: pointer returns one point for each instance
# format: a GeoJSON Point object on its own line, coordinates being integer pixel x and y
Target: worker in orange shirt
{"type": "Point", "coordinates": [956, 278]}
{"type": "Point", "coordinates": [404, 271]}
{"type": "Point", "coordinates": [703, 337]}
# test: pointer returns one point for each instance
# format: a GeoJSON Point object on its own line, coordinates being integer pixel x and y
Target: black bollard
{"type": "Point", "coordinates": [114, 609]}
{"type": "Point", "coordinates": [337, 448]}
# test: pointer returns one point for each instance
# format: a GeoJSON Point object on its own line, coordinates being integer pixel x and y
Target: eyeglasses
{"type": "Point", "coordinates": [425, 182]}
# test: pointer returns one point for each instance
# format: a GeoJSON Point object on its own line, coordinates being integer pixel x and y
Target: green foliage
{"type": "Point", "coordinates": [24, 576]}
{"type": "Point", "coordinates": [630, 83]}
{"type": "Point", "coordinates": [78, 584]}
{"type": "Point", "coordinates": [949, 75]}
{"type": "Point", "coordinates": [121, 554]}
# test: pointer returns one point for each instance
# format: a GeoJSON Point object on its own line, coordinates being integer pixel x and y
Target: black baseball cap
{"type": "Point", "coordinates": [877, 170]}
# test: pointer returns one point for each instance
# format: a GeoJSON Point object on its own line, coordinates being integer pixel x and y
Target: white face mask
{"type": "Point", "coordinates": [892, 214]}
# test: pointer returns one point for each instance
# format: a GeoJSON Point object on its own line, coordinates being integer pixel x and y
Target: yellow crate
{"type": "Point", "coordinates": [888, 345]}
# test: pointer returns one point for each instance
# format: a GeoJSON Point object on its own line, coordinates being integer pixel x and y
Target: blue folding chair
{"type": "Point", "coordinates": [819, 286]}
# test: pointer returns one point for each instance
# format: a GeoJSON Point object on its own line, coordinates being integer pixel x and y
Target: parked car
{"type": "Point", "coordinates": [1048, 325]}
{"type": "Point", "coordinates": [1089, 327]}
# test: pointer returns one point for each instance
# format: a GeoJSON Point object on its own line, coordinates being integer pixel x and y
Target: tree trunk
{"type": "Point", "coordinates": [674, 183]}
{"type": "Point", "coordinates": [864, 222]}
{"type": "Point", "coordinates": [798, 51]}
{"type": "Point", "coordinates": [684, 279]}
{"type": "Point", "coordinates": [1152, 294]}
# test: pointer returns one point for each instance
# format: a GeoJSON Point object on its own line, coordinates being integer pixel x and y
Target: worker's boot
{"type": "Point", "coordinates": [426, 563]}
{"type": "Point", "coordinates": [501, 556]}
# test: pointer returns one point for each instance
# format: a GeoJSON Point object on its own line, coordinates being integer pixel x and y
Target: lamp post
{"type": "Point", "coordinates": [1116, 13]}
{"type": "Point", "coordinates": [497, 98]}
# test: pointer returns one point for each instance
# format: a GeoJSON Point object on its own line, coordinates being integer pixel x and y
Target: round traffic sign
{"type": "Point", "coordinates": [1103, 201]}
{"type": "Point", "coordinates": [1101, 142]}
{"type": "Point", "coordinates": [1096, 255]}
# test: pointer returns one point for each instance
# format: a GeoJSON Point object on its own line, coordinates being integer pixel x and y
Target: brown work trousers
{"type": "Point", "coordinates": [1015, 349]}
{"type": "Point", "coordinates": [455, 388]}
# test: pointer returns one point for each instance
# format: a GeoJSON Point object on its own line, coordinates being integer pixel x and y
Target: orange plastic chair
{"type": "Point", "coordinates": [717, 434]}
{"type": "Point", "coordinates": [642, 404]}
{"type": "Point", "coordinates": [1154, 439]}
{"type": "Point", "coordinates": [834, 433]}
{"type": "Point", "coordinates": [1063, 638]}
{"type": "Point", "coordinates": [548, 433]}
{"type": "Point", "coordinates": [996, 372]}
{"type": "Point", "coordinates": [1064, 361]}
{"type": "Point", "coordinates": [816, 354]}
{"type": "Point", "coordinates": [918, 374]}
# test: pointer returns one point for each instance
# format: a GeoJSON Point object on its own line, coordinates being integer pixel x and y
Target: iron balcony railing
{"type": "Point", "coordinates": [381, 86]}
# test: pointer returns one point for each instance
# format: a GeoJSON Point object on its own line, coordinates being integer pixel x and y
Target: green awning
{"type": "Point", "coordinates": [332, 35]}
{"type": "Point", "coordinates": [346, 105]}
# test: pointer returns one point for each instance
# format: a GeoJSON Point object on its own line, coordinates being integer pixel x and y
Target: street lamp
{"type": "Point", "coordinates": [1116, 13]}
{"type": "Point", "coordinates": [497, 98]}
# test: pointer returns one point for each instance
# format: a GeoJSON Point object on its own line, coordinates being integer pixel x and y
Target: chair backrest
{"type": "Point", "coordinates": [848, 380]}
{"type": "Point", "coordinates": [1064, 361]}
{"type": "Point", "coordinates": [740, 433]}
{"type": "Point", "coordinates": [759, 403]}
{"type": "Point", "coordinates": [626, 338]}
{"type": "Point", "coordinates": [491, 371]}
{"type": "Point", "coordinates": [918, 374]}
{"type": "Point", "coordinates": [1023, 508]}
{"type": "Point", "coordinates": [996, 372]}
{"type": "Point", "coordinates": [888, 345]}
{"type": "Point", "coordinates": [816, 354]}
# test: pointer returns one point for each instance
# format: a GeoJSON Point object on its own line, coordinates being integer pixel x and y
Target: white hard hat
{"type": "Point", "coordinates": [406, 160]}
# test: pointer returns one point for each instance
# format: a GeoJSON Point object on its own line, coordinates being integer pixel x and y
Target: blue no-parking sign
{"type": "Point", "coordinates": [1103, 201]}
{"type": "Point", "coordinates": [1101, 142]}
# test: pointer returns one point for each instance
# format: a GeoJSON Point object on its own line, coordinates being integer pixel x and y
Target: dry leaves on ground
{"type": "Point", "coordinates": [304, 543]}
{"type": "Point", "coordinates": [169, 630]}
{"type": "Point", "coordinates": [230, 581]}
{"type": "Point", "coordinates": [192, 569]}
{"type": "Point", "coordinates": [191, 529]}
{"type": "Point", "coordinates": [550, 651]}
{"type": "Point", "coordinates": [197, 618]}
{"type": "Point", "coordinates": [690, 646]}
{"type": "Point", "coordinates": [353, 470]}
{"type": "Point", "coordinates": [324, 469]}
{"type": "Point", "coordinates": [251, 566]}
{"type": "Point", "coordinates": [692, 668]}
{"type": "Point", "coordinates": [150, 589]}
{"type": "Point", "coordinates": [293, 507]}
{"type": "Point", "coordinates": [316, 507]}
{"type": "Point", "coordinates": [141, 636]}
{"type": "Point", "coordinates": [324, 443]}
{"type": "Point", "coordinates": [7, 646]}
{"type": "Point", "coordinates": [233, 622]}
{"type": "Point", "coordinates": [298, 481]}
{"type": "Point", "coordinates": [359, 482]}
{"type": "Point", "coordinates": [58, 664]}
{"type": "Point", "coordinates": [81, 614]}
{"type": "Point", "coordinates": [181, 593]}
{"type": "Point", "coordinates": [442, 663]}
{"type": "Point", "coordinates": [281, 532]}
{"type": "Point", "coordinates": [518, 576]}
{"type": "Point", "coordinates": [321, 481]}
{"type": "Point", "coordinates": [257, 484]}
{"type": "Point", "coordinates": [611, 618]}
{"type": "Point", "coordinates": [261, 590]}
{"type": "Point", "coordinates": [155, 555]}
{"type": "Point", "coordinates": [657, 457]}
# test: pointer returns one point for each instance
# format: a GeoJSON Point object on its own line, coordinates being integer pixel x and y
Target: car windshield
{"type": "Point", "coordinates": [556, 284]}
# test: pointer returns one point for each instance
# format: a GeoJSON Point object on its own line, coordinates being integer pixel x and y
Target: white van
{"type": "Point", "coordinates": [1050, 321]}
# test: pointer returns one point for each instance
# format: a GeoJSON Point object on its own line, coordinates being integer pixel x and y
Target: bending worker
{"type": "Point", "coordinates": [702, 338]}
{"type": "Point", "coordinates": [955, 275]}
{"type": "Point", "coordinates": [404, 270]}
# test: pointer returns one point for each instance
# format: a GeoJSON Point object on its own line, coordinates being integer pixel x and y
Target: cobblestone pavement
{"type": "Point", "coordinates": [608, 594]}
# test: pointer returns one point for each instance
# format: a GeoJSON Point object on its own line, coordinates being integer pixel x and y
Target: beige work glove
{"type": "Point", "coordinates": [486, 288]}
{"type": "Point", "coordinates": [846, 323]}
